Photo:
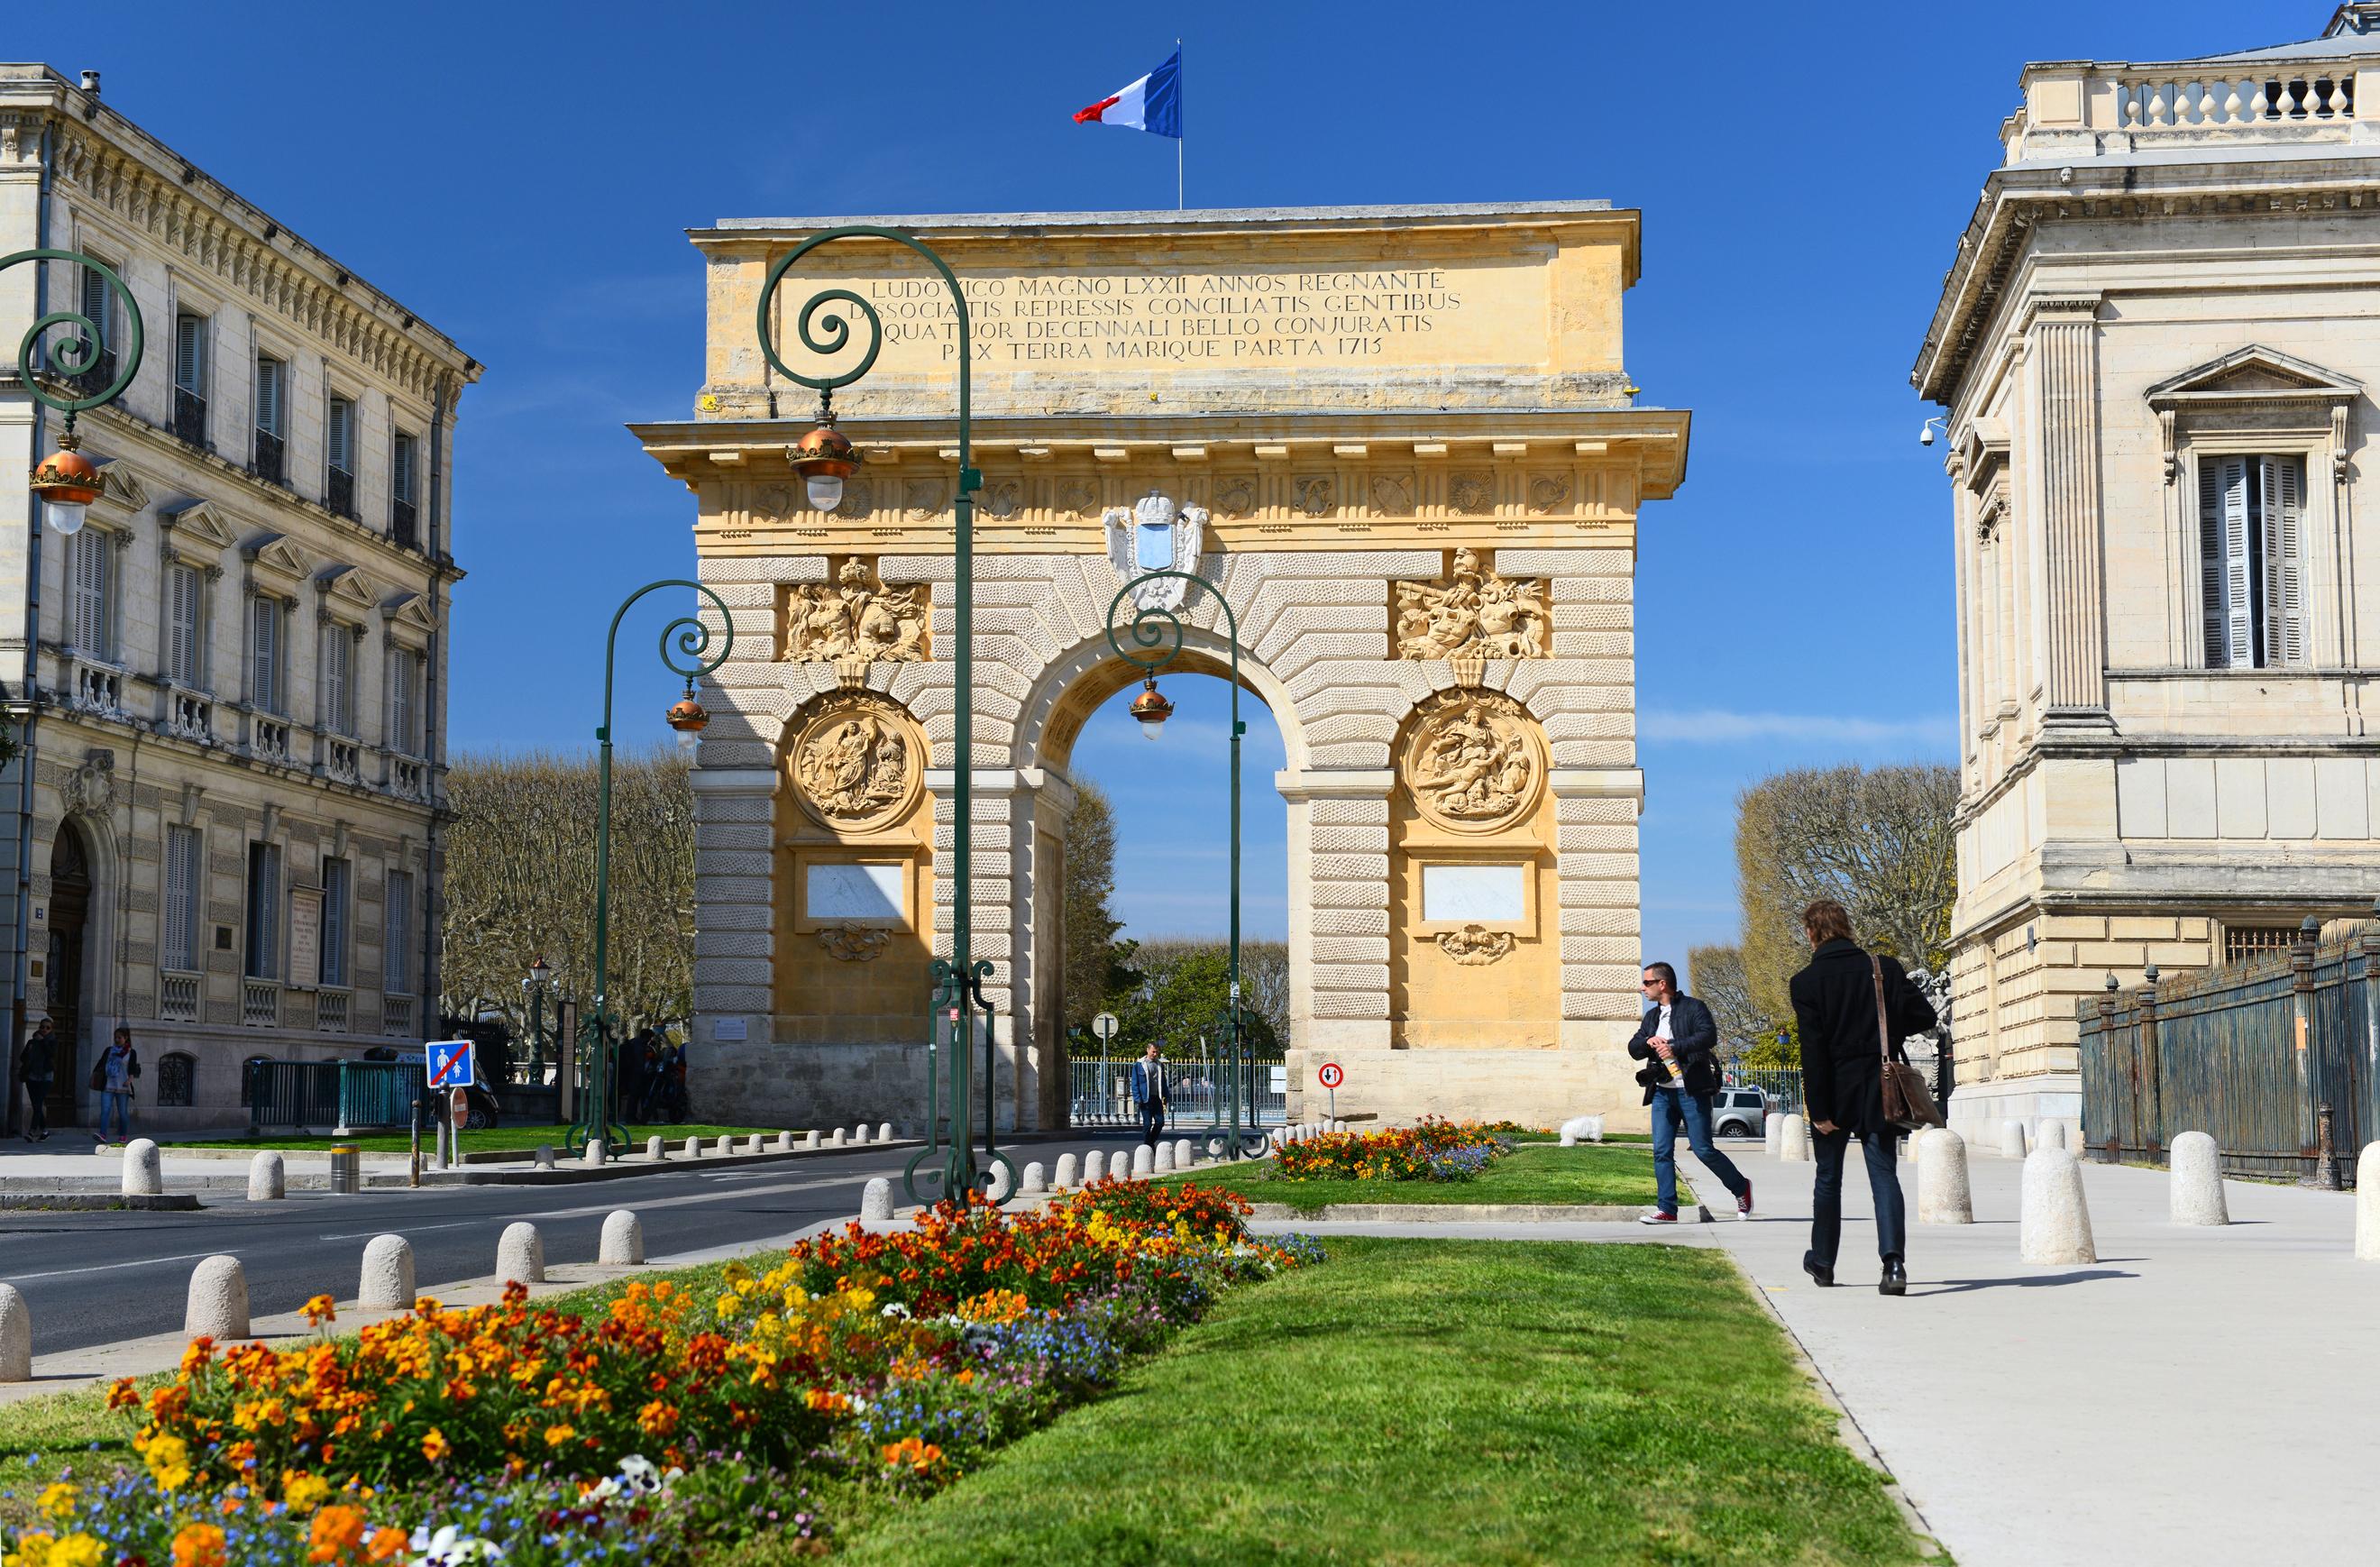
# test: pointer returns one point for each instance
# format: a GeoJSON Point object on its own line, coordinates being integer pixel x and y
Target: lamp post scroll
{"type": "Point", "coordinates": [65, 481]}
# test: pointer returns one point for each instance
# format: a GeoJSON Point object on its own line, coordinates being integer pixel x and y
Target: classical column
{"type": "Point", "coordinates": [2063, 360]}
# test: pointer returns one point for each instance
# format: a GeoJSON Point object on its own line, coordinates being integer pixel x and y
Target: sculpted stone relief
{"type": "Point", "coordinates": [1474, 611]}
{"type": "Point", "coordinates": [1474, 945]}
{"type": "Point", "coordinates": [854, 944]}
{"type": "Point", "coordinates": [858, 762]}
{"type": "Point", "coordinates": [855, 617]}
{"type": "Point", "coordinates": [1475, 761]}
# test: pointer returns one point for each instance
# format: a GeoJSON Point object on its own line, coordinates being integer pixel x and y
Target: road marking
{"type": "Point", "coordinates": [408, 1230]}
{"type": "Point", "coordinates": [111, 1267]}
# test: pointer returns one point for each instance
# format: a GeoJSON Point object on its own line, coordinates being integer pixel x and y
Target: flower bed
{"type": "Point", "coordinates": [1434, 1150]}
{"type": "Point", "coordinates": [681, 1419]}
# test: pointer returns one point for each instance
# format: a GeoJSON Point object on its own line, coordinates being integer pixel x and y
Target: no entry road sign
{"type": "Point", "coordinates": [448, 1062]}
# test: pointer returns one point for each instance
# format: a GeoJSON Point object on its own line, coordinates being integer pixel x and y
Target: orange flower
{"type": "Point", "coordinates": [434, 1446]}
{"type": "Point", "coordinates": [557, 1435]}
{"type": "Point", "coordinates": [386, 1545]}
{"type": "Point", "coordinates": [199, 1544]}
{"type": "Point", "coordinates": [337, 1530]}
{"type": "Point", "coordinates": [911, 1453]}
{"type": "Point", "coordinates": [321, 1309]}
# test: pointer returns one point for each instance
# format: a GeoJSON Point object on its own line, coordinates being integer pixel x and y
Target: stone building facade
{"type": "Point", "coordinates": [228, 688]}
{"type": "Point", "coordinates": [1403, 443]}
{"type": "Point", "coordinates": [2156, 344]}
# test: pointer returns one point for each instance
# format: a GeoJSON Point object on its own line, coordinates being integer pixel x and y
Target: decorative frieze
{"type": "Point", "coordinates": [855, 617]}
{"type": "Point", "coordinates": [1473, 611]}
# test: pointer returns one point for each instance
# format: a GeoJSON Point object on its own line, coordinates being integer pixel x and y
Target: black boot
{"type": "Point", "coordinates": [1825, 1276]}
{"type": "Point", "coordinates": [1896, 1278]}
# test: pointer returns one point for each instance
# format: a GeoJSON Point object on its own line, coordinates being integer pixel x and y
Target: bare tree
{"type": "Point", "coordinates": [1716, 976]}
{"type": "Point", "coordinates": [520, 881]}
{"type": "Point", "coordinates": [1878, 841]}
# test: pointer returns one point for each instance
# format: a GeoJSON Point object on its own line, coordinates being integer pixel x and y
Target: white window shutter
{"type": "Point", "coordinates": [182, 624]}
{"type": "Point", "coordinates": [268, 396]}
{"type": "Point", "coordinates": [396, 935]}
{"type": "Point", "coordinates": [190, 333]}
{"type": "Point", "coordinates": [2213, 604]}
{"type": "Point", "coordinates": [2237, 597]}
{"type": "Point", "coordinates": [401, 468]}
{"type": "Point", "coordinates": [181, 897]}
{"type": "Point", "coordinates": [94, 304]}
{"type": "Point", "coordinates": [2284, 529]}
{"type": "Point", "coordinates": [87, 566]}
{"type": "Point", "coordinates": [338, 669]}
{"type": "Point", "coordinates": [264, 684]}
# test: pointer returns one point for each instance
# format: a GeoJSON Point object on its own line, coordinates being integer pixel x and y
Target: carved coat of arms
{"type": "Point", "coordinates": [855, 617]}
{"type": "Point", "coordinates": [1155, 536]}
{"type": "Point", "coordinates": [1473, 611]}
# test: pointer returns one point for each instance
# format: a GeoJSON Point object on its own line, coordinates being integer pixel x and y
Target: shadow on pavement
{"type": "Point", "coordinates": [2024, 1282]}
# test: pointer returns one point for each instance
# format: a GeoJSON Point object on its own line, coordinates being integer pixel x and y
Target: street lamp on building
{"type": "Point", "coordinates": [66, 481]}
{"type": "Point", "coordinates": [824, 458]}
{"type": "Point", "coordinates": [540, 977]}
{"type": "Point", "coordinates": [685, 637]}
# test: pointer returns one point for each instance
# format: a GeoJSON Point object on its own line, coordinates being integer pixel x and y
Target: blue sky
{"type": "Point", "coordinates": [522, 177]}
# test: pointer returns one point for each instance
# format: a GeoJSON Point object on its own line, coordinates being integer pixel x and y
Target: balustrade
{"type": "Point", "coordinates": [177, 998]}
{"type": "Point", "coordinates": [98, 689]}
{"type": "Point", "coordinates": [330, 1011]}
{"type": "Point", "coordinates": [189, 716]}
{"type": "Point", "coordinates": [269, 738]}
{"type": "Point", "coordinates": [396, 1015]}
{"type": "Point", "coordinates": [259, 1004]}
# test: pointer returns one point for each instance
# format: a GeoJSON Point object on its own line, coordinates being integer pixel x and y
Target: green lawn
{"type": "Point", "coordinates": [1421, 1402]}
{"type": "Point", "coordinates": [1533, 1172]}
{"type": "Point", "coordinates": [522, 1138]}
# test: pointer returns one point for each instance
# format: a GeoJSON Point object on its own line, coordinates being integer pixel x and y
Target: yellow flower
{"type": "Point", "coordinates": [58, 1501]}
{"type": "Point", "coordinates": [433, 1445]}
{"type": "Point", "coordinates": [302, 1492]}
{"type": "Point", "coordinates": [557, 1435]}
{"type": "Point", "coordinates": [169, 1463]}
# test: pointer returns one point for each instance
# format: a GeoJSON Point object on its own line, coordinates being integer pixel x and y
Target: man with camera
{"type": "Point", "coordinates": [1678, 1042]}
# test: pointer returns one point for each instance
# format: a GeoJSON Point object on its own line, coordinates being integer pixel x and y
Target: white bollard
{"type": "Point", "coordinates": [1094, 1167]}
{"type": "Point", "coordinates": [1070, 1171]}
{"type": "Point", "coordinates": [996, 1185]}
{"type": "Point", "coordinates": [2196, 1184]}
{"type": "Point", "coordinates": [836, 1140]}
{"type": "Point", "coordinates": [545, 1156]}
{"type": "Point", "coordinates": [694, 1148]}
{"type": "Point", "coordinates": [884, 1132]}
{"type": "Point", "coordinates": [1036, 1179]}
{"type": "Point", "coordinates": [217, 1306]}
{"type": "Point", "coordinates": [144, 1176]}
{"type": "Point", "coordinates": [809, 1139]}
{"type": "Point", "coordinates": [2367, 1204]}
{"type": "Point", "coordinates": [16, 1337]}
{"type": "Point", "coordinates": [1772, 1127]}
{"type": "Point", "coordinates": [784, 1142]}
{"type": "Point", "coordinates": [1943, 1197]}
{"type": "Point", "coordinates": [876, 1199]}
{"type": "Point", "coordinates": [1793, 1141]}
{"type": "Point", "coordinates": [1185, 1153]}
{"type": "Point", "coordinates": [1144, 1162]}
{"type": "Point", "coordinates": [752, 1144]}
{"type": "Point", "coordinates": [2054, 1223]}
{"type": "Point", "coordinates": [268, 1178]}
{"type": "Point", "coordinates": [2012, 1143]}
{"type": "Point", "coordinates": [624, 1240]}
{"type": "Point", "coordinates": [520, 1255]}
{"type": "Point", "coordinates": [596, 1153]}
{"type": "Point", "coordinates": [723, 1148]}
{"type": "Point", "coordinates": [388, 1275]}
{"type": "Point", "coordinates": [2050, 1132]}
{"type": "Point", "coordinates": [1164, 1165]}
{"type": "Point", "coordinates": [859, 1133]}
{"type": "Point", "coordinates": [656, 1147]}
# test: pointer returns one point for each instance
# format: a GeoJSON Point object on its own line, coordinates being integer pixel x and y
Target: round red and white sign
{"type": "Point", "coordinates": [1331, 1076]}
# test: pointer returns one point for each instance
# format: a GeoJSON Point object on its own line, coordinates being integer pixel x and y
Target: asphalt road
{"type": "Point", "coordinates": [100, 1276]}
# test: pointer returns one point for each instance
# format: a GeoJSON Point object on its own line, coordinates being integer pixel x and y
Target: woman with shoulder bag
{"type": "Point", "coordinates": [1855, 1010]}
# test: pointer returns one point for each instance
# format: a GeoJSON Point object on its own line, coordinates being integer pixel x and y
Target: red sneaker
{"type": "Point", "coordinates": [1744, 1203]}
{"type": "Point", "coordinates": [1657, 1217]}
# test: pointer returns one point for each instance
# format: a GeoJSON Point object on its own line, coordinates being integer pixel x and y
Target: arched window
{"type": "Point", "coordinates": [176, 1078]}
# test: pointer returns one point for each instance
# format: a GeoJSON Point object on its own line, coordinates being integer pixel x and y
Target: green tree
{"type": "Point", "coordinates": [1093, 961]}
{"type": "Point", "coordinates": [1185, 986]}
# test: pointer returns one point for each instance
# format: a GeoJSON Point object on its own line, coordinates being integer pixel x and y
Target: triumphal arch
{"type": "Point", "coordinates": [1403, 442]}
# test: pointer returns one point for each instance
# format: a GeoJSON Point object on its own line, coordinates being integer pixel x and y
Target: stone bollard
{"type": "Point", "coordinates": [2196, 1184]}
{"type": "Point", "coordinates": [2050, 1132]}
{"type": "Point", "coordinates": [1793, 1141]}
{"type": "Point", "coordinates": [996, 1184]}
{"type": "Point", "coordinates": [1279, 1137]}
{"type": "Point", "coordinates": [809, 1139]}
{"type": "Point", "coordinates": [545, 1156]}
{"type": "Point", "coordinates": [2367, 1204]}
{"type": "Point", "coordinates": [836, 1140]}
{"type": "Point", "coordinates": [656, 1148]}
{"type": "Point", "coordinates": [1035, 1179]}
{"type": "Point", "coordinates": [217, 1307]}
{"type": "Point", "coordinates": [1144, 1162]}
{"type": "Point", "coordinates": [859, 1133]}
{"type": "Point", "coordinates": [623, 1245]}
{"type": "Point", "coordinates": [16, 1337]}
{"type": "Point", "coordinates": [144, 1176]}
{"type": "Point", "coordinates": [784, 1142]}
{"type": "Point", "coordinates": [520, 1255]}
{"type": "Point", "coordinates": [1942, 1192]}
{"type": "Point", "coordinates": [1164, 1165]}
{"type": "Point", "coordinates": [1070, 1171]}
{"type": "Point", "coordinates": [884, 1132]}
{"type": "Point", "coordinates": [2053, 1226]}
{"type": "Point", "coordinates": [876, 1199]}
{"type": "Point", "coordinates": [752, 1144]}
{"type": "Point", "coordinates": [2013, 1139]}
{"type": "Point", "coordinates": [1185, 1153]}
{"type": "Point", "coordinates": [1772, 1125]}
{"type": "Point", "coordinates": [268, 1178]}
{"type": "Point", "coordinates": [596, 1153]}
{"type": "Point", "coordinates": [724, 1148]}
{"type": "Point", "coordinates": [694, 1148]}
{"type": "Point", "coordinates": [1095, 1168]}
{"type": "Point", "coordinates": [388, 1275]}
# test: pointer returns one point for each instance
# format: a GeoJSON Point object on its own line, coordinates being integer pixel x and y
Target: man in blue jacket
{"type": "Point", "coordinates": [1149, 1094]}
{"type": "Point", "coordinates": [1678, 1042]}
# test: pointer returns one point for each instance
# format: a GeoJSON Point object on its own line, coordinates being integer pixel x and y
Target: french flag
{"type": "Point", "coordinates": [1153, 103]}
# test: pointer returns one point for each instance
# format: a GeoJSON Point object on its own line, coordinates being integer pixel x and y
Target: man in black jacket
{"type": "Point", "coordinates": [1677, 1041]}
{"type": "Point", "coordinates": [1842, 1084]}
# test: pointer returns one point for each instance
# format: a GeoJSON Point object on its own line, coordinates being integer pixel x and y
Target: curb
{"type": "Point", "coordinates": [174, 1202]}
{"type": "Point", "coordinates": [1473, 1212]}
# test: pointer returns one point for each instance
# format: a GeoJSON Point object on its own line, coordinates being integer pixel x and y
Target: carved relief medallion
{"type": "Point", "coordinates": [1475, 944]}
{"type": "Point", "coordinates": [1079, 496]}
{"type": "Point", "coordinates": [858, 499]}
{"type": "Point", "coordinates": [1548, 492]}
{"type": "Point", "coordinates": [1392, 494]}
{"type": "Point", "coordinates": [862, 943]}
{"type": "Point", "coordinates": [1006, 498]}
{"type": "Point", "coordinates": [855, 617]}
{"type": "Point", "coordinates": [1236, 497]}
{"type": "Point", "coordinates": [1474, 760]}
{"type": "Point", "coordinates": [1318, 497]}
{"type": "Point", "coordinates": [923, 499]}
{"type": "Point", "coordinates": [858, 762]}
{"type": "Point", "coordinates": [1474, 611]}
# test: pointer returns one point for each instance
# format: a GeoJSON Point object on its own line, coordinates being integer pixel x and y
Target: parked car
{"type": "Point", "coordinates": [1739, 1112]}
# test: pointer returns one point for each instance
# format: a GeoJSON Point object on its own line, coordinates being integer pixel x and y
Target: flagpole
{"type": "Point", "coordinates": [1180, 203]}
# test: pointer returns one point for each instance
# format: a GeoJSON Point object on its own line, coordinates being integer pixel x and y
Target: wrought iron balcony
{"type": "Point", "coordinates": [271, 458]}
{"type": "Point", "coordinates": [189, 416]}
{"type": "Point", "coordinates": [403, 526]}
{"type": "Point", "coordinates": [95, 380]}
{"type": "Point", "coordinates": [339, 493]}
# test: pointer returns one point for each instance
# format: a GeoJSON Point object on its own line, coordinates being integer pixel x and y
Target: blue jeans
{"type": "Point", "coordinates": [1152, 1121]}
{"type": "Point", "coordinates": [1827, 1150]}
{"type": "Point", "coordinates": [1668, 1106]}
{"type": "Point", "coordinates": [120, 1107]}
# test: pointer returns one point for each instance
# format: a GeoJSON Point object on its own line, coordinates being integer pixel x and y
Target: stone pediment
{"type": "Point", "coordinates": [197, 523]}
{"type": "Point", "coordinates": [274, 551]}
{"type": "Point", "coordinates": [344, 584]}
{"type": "Point", "coordinates": [120, 486]}
{"type": "Point", "coordinates": [409, 610]}
{"type": "Point", "coordinates": [2254, 374]}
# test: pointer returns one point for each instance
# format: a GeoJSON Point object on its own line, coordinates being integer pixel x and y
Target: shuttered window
{"type": "Point", "coordinates": [184, 607]}
{"type": "Point", "coordinates": [400, 477]}
{"type": "Point", "coordinates": [397, 940]}
{"type": "Point", "coordinates": [190, 353]}
{"type": "Point", "coordinates": [265, 655]}
{"type": "Point", "coordinates": [271, 394]}
{"type": "Point", "coordinates": [181, 932]}
{"type": "Point", "coordinates": [95, 303]}
{"type": "Point", "coordinates": [265, 911]}
{"type": "Point", "coordinates": [340, 435]}
{"type": "Point", "coordinates": [339, 679]}
{"type": "Point", "coordinates": [338, 883]}
{"type": "Point", "coordinates": [89, 567]}
{"type": "Point", "coordinates": [405, 701]}
{"type": "Point", "coordinates": [2251, 561]}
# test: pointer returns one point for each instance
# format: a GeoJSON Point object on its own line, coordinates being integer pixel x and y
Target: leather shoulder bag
{"type": "Point", "coordinates": [1907, 1104]}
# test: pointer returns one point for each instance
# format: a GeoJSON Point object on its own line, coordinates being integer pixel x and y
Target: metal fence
{"type": "Point", "coordinates": [342, 1095]}
{"type": "Point", "coordinates": [1782, 1085]}
{"type": "Point", "coordinates": [1100, 1092]}
{"type": "Point", "coordinates": [2276, 1057]}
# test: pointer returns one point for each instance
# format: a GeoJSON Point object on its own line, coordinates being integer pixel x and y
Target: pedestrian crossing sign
{"type": "Point", "coordinates": [449, 1062]}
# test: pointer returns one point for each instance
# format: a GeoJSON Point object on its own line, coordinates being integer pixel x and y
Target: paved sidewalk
{"type": "Point", "coordinates": [2197, 1396]}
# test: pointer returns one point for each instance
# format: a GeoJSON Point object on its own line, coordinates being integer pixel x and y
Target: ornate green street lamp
{"type": "Point", "coordinates": [1157, 633]}
{"type": "Point", "coordinates": [65, 481]}
{"type": "Point", "coordinates": [823, 460]}
{"type": "Point", "coordinates": [687, 636]}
